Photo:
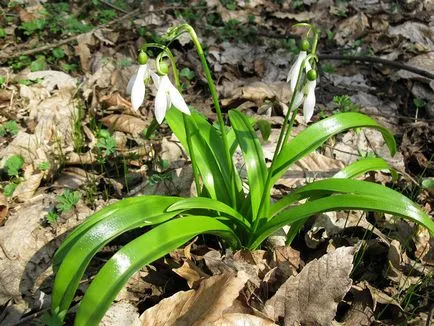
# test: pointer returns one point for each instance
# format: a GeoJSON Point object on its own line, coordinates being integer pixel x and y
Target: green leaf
{"type": "Point", "coordinates": [38, 64]}
{"type": "Point", "coordinates": [265, 128]}
{"type": "Point", "coordinates": [208, 151]}
{"type": "Point", "coordinates": [141, 251]}
{"type": "Point", "coordinates": [396, 205]}
{"type": "Point", "coordinates": [67, 200]}
{"type": "Point", "coordinates": [84, 242]}
{"type": "Point", "coordinates": [58, 53]}
{"type": "Point", "coordinates": [362, 166]}
{"type": "Point", "coordinates": [253, 157]}
{"type": "Point", "coordinates": [9, 189]}
{"type": "Point", "coordinates": [428, 183]}
{"type": "Point", "coordinates": [331, 186]}
{"type": "Point", "coordinates": [187, 73]}
{"type": "Point", "coordinates": [315, 135]}
{"type": "Point", "coordinates": [209, 204]}
{"type": "Point", "coordinates": [13, 165]}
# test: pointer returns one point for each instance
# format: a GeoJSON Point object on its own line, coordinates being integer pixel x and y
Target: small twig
{"type": "Point", "coordinates": [30, 317]}
{"type": "Point", "coordinates": [386, 62]}
{"type": "Point", "coordinates": [50, 46]}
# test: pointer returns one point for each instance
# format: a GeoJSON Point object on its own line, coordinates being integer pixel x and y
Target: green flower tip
{"type": "Point", "coordinates": [142, 58]}
{"type": "Point", "coordinates": [304, 45]}
{"type": "Point", "coordinates": [312, 75]}
{"type": "Point", "coordinates": [164, 68]}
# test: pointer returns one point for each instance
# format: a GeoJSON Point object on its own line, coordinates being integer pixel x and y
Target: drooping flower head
{"type": "Point", "coordinates": [167, 95]}
{"type": "Point", "coordinates": [136, 85]}
{"type": "Point", "coordinates": [310, 100]}
{"type": "Point", "coordinates": [295, 68]}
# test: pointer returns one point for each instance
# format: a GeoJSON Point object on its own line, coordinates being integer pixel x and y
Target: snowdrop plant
{"type": "Point", "coordinates": [223, 207]}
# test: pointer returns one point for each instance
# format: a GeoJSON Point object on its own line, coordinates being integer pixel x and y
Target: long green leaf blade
{"type": "Point", "coordinates": [209, 204]}
{"type": "Point", "coordinates": [253, 157]}
{"type": "Point", "coordinates": [315, 135]}
{"type": "Point", "coordinates": [361, 167]}
{"type": "Point", "coordinates": [343, 202]}
{"type": "Point", "coordinates": [211, 167]}
{"type": "Point", "coordinates": [338, 186]}
{"type": "Point", "coordinates": [76, 254]}
{"type": "Point", "coordinates": [142, 251]}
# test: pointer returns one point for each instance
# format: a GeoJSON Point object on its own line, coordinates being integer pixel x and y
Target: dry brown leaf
{"type": "Point", "coordinates": [351, 28]}
{"type": "Point", "coordinates": [125, 123]}
{"type": "Point", "coordinates": [115, 99]}
{"type": "Point", "coordinates": [420, 34]}
{"type": "Point", "coordinates": [4, 208]}
{"type": "Point", "coordinates": [190, 272]}
{"type": "Point", "coordinates": [52, 79]}
{"type": "Point", "coordinates": [379, 296]}
{"type": "Point", "coordinates": [26, 248]}
{"type": "Point", "coordinates": [26, 189]}
{"type": "Point", "coordinates": [361, 310]}
{"type": "Point", "coordinates": [255, 91]}
{"type": "Point", "coordinates": [313, 295]}
{"type": "Point", "coordinates": [198, 307]}
{"type": "Point", "coordinates": [241, 320]}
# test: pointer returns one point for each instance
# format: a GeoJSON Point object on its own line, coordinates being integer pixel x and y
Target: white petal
{"type": "Point", "coordinates": [130, 83]}
{"type": "Point", "coordinates": [297, 101]}
{"type": "Point", "coordinates": [177, 100]}
{"type": "Point", "coordinates": [309, 102]}
{"type": "Point", "coordinates": [161, 101]}
{"type": "Point", "coordinates": [155, 79]}
{"type": "Point", "coordinates": [295, 69]}
{"type": "Point", "coordinates": [138, 88]}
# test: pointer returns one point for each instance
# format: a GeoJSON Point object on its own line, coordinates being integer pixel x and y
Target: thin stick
{"type": "Point", "coordinates": [386, 62]}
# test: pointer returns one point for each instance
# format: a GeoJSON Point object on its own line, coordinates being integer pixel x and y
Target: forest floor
{"type": "Point", "coordinates": [70, 144]}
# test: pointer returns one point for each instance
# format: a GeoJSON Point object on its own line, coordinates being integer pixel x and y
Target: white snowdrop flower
{"type": "Point", "coordinates": [295, 70]}
{"type": "Point", "coordinates": [297, 101]}
{"type": "Point", "coordinates": [136, 85]}
{"type": "Point", "coordinates": [167, 95]}
{"type": "Point", "coordinates": [310, 100]}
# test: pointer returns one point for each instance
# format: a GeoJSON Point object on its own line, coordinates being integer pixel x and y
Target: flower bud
{"type": "Point", "coordinates": [164, 68]}
{"type": "Point", "coordinates": [312, 75]}
{"type": "Point", "coordinates": [304, 45]}
{"type": "Point", "coordinates": [142, 58]}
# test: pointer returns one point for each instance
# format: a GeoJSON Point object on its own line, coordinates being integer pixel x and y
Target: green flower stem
{"type": "Point", "coordinates": [175, 71]}
{"type": "Point", "coordinates": [283, 138]}
{"type": "Point", "coordinates": [212, 88]}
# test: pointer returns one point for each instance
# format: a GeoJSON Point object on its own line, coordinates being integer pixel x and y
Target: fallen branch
{"type": "Point", "coordinates": [386, 62]}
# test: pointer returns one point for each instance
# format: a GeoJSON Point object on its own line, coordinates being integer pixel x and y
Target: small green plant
{"type": "Point", "coordinates": [106, 145]}
{"type": "Point", "coordinates": [344, 104]}
{"type": "Point", "coordinates": [187, 73]}
{"type": "Point", "coordinates": [52, 217]}
{"type": "Point", "coordinates": [106, 15]}
{"type": "Point", "coordinates": [44, 166]}
{"type": "Point", "coordinates": [2, 33]}
{"type": "Point", "coordinates": [2, 81]}
{"type": "Point", "coordinates": [38, 64]}
{"type": "Point", "coordinates": [9, 189]}
{"type": "Point", "coordinates": [13, 165]}
{"type": "Point", "coordinates": [33, 26]}
{"type": "Point", "coordinates": [9, 128]}
{"type": "Point", "coordinates": [67, 200]}
{"type": "Point", "coordinates": [21, 62]}
{"type": "Point", "coordinates": [240, 217]}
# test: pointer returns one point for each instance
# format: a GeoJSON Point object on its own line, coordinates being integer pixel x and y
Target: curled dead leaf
{"type": "Point", "coordinates": [203, 306]}
{"type": "Point", "coordinates": [312, 297]}
{"type": "Point", "coordinates": [125, 123]}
